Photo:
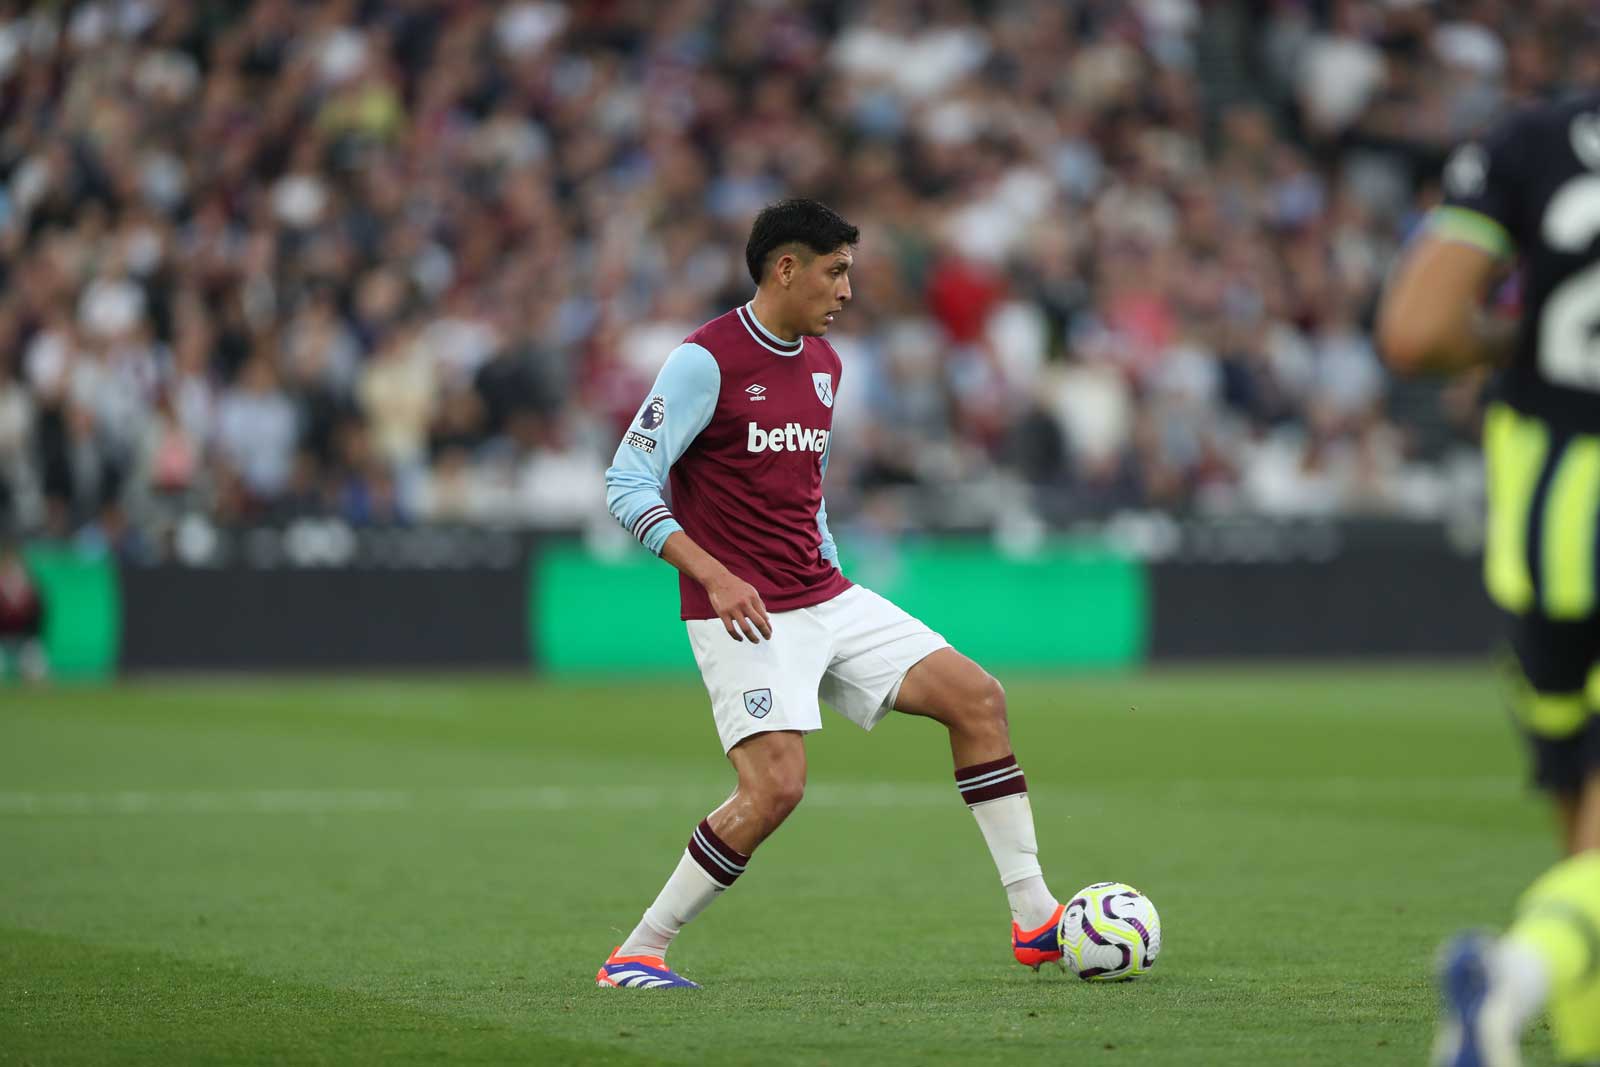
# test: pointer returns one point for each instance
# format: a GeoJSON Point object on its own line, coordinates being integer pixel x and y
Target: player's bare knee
{"type": "Point", "coordinates": [787, 798]}
{"type": "Point", "coordinates": [779, 795]}
{"type": "Point", "coordinates": [994, 697]}
{"type": "Point", "coordinates": [986, 707]}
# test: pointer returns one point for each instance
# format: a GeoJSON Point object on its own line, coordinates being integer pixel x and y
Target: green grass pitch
{"type": "Point", "coordinates": [423, 870]}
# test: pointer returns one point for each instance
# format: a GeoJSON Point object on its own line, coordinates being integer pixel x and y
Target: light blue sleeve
{"type": "Point", "coordinates": [830, 551]}
{"type": "Point", "coordinates": [679, 406]}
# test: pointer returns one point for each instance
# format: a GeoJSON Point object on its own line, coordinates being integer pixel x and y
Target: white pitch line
{"type": "Point", "coordinates": [355, 801]}
{"type": "Point", "coordinates": [367, 801]}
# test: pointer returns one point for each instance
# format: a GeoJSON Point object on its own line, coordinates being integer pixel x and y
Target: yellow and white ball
{"type": "Point", "coordinates": [1110, 932]}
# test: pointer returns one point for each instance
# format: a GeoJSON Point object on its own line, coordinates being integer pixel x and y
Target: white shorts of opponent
{"type": "Point", "coordinates": [851, 651]}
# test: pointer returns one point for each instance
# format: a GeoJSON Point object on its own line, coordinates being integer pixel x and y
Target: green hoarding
{"type": "Point", "coordinates": [83, 611]}
{"type": "Point", "coordinates": [1067, 605]}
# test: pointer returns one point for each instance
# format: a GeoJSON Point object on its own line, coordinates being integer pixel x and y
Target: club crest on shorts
{"type": "Point", "coordinates": [758, 702]}
{"type": "Point", "coordinates": [824, 383]}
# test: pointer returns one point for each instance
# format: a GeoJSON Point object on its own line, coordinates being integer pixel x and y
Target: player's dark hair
{"type": "Point", "coordinates": [805, 222]}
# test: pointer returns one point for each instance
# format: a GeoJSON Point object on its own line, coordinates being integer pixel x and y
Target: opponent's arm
{"type": "Point", "coordinates": [680, 405]}
{"type": "Point", "coordinates": [1433, 318]}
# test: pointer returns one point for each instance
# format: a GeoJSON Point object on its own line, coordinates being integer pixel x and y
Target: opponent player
{"type": "Point", "coordinates": [739, 421]}
{"type": "Point", "coordinates": [1530, 189]}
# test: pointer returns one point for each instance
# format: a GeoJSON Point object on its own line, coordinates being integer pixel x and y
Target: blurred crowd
{"type": "Point", "coordinates": [418, 260]}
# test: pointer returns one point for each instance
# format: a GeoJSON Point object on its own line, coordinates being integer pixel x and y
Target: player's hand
{"type": "Point", "coordinates": [739, 606]}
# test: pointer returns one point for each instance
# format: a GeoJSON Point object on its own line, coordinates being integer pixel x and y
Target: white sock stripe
{"type": "Point", "coordinates": [705, 841]}
{"type": "Point", "coordinates": [722, 861]}
{"type": "Point", "coordinates": [971, 789]}
{"type": "Point", "coordinates": [975, 778]}
{"type": "Point", "coordinates": [1015, 772]}
{"type": "Point", "coordinates": [732, 867]}
{"type": "Point", "coordinates": [1003, 774]}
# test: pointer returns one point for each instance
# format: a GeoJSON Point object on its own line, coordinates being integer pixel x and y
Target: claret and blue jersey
{"type": "Point", "coordinates": [738, 424]}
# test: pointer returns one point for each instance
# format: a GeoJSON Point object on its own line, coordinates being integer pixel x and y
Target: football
{"type": "Point", "coordinates": [1110, 932]}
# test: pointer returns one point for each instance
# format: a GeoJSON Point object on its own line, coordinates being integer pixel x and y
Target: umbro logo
{"type": "Point", "coordinates": [757, 392]}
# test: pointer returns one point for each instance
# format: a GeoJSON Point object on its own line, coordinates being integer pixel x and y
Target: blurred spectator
{"type": "Point", "coordinates": [397, 393]}
{"type": "Point", "coordinates": [415, 259]}
{"type": "Point", "coordinates": [256, 429]}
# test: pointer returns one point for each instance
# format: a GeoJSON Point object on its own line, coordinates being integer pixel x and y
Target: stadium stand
{"type": "Point", "coordinates": [411, 261]}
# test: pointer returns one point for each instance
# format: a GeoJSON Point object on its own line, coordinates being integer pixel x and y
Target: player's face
{"type": "Point", "coordinates": [820, 291]}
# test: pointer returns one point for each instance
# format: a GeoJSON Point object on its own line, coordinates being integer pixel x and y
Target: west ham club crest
{"type": "Point", "coordinates": [824, 383]}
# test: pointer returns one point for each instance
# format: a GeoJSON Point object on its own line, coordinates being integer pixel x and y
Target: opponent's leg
{"type": "Point", "coordinates": [1585, 836]}
{"type": "Point", "coordinates": [1559, 920]}
{"type": "Point", "coordinates": [1567, 805]}
{"type": "Point", "coordinates": [1555, 944]}
{"type": "Point", "coordinates": [1494, 987]}
{"type": "Point", "coordinates": [772, 776]}
{"type": "Point", "coordinates": [951, 689]}
{"type": "Point", "coordinates": [1560, 925]}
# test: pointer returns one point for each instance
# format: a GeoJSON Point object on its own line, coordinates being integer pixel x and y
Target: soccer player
{"type": "Point", "coordinates": [739, 421]}
{"type": "Point", "coordinates": [1530, 190]}
{"type": "Point", "coordinates": [21, 616]}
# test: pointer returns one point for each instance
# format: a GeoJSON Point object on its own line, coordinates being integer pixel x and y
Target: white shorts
{"type": "Point", "coordinates": [851, 651]}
